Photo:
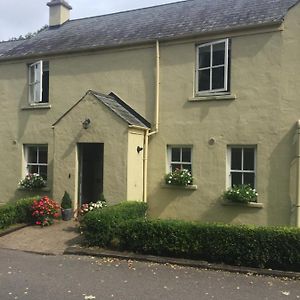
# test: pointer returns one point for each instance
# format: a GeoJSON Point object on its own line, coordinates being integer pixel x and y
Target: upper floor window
{"type": "Point", "coordinates": [38, 80]}
{"type": "Point", "coordinates": [179, 157]}
{"type": "Point", "coordinates": [242, 161]}
{"type": "Point", "coordinates": [213, 67]}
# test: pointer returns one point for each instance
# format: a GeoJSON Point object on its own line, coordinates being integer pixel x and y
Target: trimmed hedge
{"type": "Point", "coordinates": [14, 213]}
{"type": "Point", "coordinates": [124, 227]}
{"type": "Point", "coordinates": [101, 226]}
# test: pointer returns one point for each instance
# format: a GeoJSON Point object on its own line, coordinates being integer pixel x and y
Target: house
{"type": "Point", "coordinates": [112, 103]}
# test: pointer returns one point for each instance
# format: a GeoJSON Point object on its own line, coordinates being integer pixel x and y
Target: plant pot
{"type": "Point", "coordinates": [67, 214]}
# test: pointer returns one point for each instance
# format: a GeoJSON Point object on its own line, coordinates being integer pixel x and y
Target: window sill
{"type": "Point", "coordinates": [249, 205]}
{"type": "Point", "coordinates": [37, 106]}
{"type": "Point", "coordinates": [210, 97]}
{"type": "Point", "coordinates": [43, 189]}
{"type": "Point", "coordinates": [179, 187]}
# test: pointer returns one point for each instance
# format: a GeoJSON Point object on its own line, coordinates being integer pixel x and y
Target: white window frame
{"type": "Point", "coordinates": [211, 67]}
{"type": "Point", "coordinates": [38, 164]}
{"type": "Point", "coordinates": [229, 170]}
{"type": "Point", "coordinates": [169, 157]}
{"type": "Point", "coordinates": [35, 82]}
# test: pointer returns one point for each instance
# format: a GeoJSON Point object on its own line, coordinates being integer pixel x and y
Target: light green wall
{"type": "Point", "coordinates": [264, 77]}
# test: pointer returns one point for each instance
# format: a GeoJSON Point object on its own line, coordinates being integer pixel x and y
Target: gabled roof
{"type": "Point", "coordinates": [117, 106]}
{"type": "Point", "coordinates": [169, 21]}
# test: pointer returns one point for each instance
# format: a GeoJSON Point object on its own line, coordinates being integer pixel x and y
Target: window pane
{"type": "Point", "coordinates": [187, 167]}
{"type": "Point", "coordinates": [218, 78]}
{"type": "Point", "coordinates": [186, 154]}
{"type": "Point", "coordinates": [43, 155]}
{"type": "Point", "coordinates": [32, 155]}
{"type": "Point", "coordinates": [204, 57]}
{"type": "Point", "coordinates": [249, 179]}
{"type": "Point", "coordinates": [204, 80]}
{"type": "Point", "coordinates": [236, 178]}
{"type": "Point", "coordinates": [43, 172]}
{"type": "Point", "coordinates": [236, 158]}
{"type": "Point", "coordinates": [248, 159]}
{"type": "Point", "coordinates": [218, 54]}
{"type": "Point", "coordinates": [175, 154]}
{"type": "Point", "coordinates": [175, 166]}
{"type": "Point", "coordinates": [32, 169]}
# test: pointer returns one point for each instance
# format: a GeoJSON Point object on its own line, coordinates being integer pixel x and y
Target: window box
{"type": "Point", "coordinates": [179, 187]}
{"type": "Point", "coordinates": [42, 189]}
{"type": "Point", "coordinates": [249, 205]}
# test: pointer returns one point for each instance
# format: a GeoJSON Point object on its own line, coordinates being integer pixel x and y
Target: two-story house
{"type": "Point", "coordinates": [114, 102]}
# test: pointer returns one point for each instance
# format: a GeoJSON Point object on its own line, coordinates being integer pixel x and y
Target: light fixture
{"type": "Point", "coordinates": [86, 123]}
{"type": "Point", "coordinates": [139, 149]}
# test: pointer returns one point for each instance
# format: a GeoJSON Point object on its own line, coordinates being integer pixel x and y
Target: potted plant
{"type": "Point", "coordinates": [179, 177]}
{"type": "Point", "coordinates": [66, 207]}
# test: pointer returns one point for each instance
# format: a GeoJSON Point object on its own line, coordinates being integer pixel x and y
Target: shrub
{"type": "Point", "coordinates": [125, 227]}
{"type": "Point", "coordinates": [14, 213]}
{"type": "Point", "coordinates": [32, 181]}
{"type": "Point", "coordinates": [241, 193]}
{"type": "Point", "coordinates": [179, 177]}
{"type": "Point", "coordinates": [101, 226]}
{"type": "Point", "coordinates": [44, 211]}
{"type": "Point", "coordinates": [66, 201]}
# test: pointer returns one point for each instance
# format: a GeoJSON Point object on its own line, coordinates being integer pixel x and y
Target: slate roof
{"type": "Point", "coordinates": [169, 21]}
{"type": "Point", "coordinates": [117, 106]}
{"type": "Point", "coordinates": [8, 45]}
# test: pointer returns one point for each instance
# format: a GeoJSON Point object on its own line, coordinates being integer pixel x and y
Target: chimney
{"type": "Point", "coordinates": [59, 12]}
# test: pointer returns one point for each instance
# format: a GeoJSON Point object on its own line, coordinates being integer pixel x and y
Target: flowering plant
{"type": "Point", "coordinates": [44, 211]}
{"type": "Point", "coordinates": [85, 208]}
{"type": "Point", "coordinates": [241, 193]}
{"type": "Point", "coordinates": [179, 177]}
{"type": "Point", "coordinates": [32, 181]}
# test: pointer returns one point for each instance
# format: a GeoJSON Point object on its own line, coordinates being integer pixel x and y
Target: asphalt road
{"type": "Point", "coordinates": [38, 277]}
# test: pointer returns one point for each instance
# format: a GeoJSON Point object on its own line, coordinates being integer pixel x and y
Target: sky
{"type": "Point", "coordinates": [18, 17]}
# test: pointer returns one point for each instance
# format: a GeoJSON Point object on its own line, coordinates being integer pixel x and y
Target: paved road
{"type": "Point", "coordinates": [38, 277]}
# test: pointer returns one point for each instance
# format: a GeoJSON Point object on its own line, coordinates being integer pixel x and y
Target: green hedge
{"type": "Point", "coordinates": [101, 226]}
{"type": "Point", "coordinates": [14, 213]}
{"type": "Point", "coordinates": [124, 227]}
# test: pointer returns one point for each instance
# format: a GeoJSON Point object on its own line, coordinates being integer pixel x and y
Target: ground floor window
{"type": "Point", "coordinates": [241, 165]}
{"type": "Point", "coordinates": [36, 159]}
{"type": "Point", "coordinates": [179, 157]}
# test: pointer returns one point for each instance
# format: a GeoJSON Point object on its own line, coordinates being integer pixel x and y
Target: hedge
{"type": "Point", "coordinates": [101, 226]}
{"type": "Point", "coordinates": [125, 228]}
{"type": "Point", "coordinates": [14, 213]}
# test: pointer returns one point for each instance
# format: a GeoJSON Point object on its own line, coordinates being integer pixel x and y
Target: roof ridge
{"type": "Point", "coordinates": [130, 10]}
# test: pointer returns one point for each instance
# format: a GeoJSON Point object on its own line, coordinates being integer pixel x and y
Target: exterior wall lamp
{"type": "Point", "coordinates": [86, 123]}
{"type": "Point", "coordinates": [139, 149]}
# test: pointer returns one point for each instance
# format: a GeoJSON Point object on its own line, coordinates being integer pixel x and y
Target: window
{"type": "Point", "coordinates": [38, 80]}
{"type": "Point", "coordinates": [213, 67]}
{"type": "Point", "coordinates": [242, 160]}
{"type": "Point", "coordinates": [179, 158]}
{"type": "Point", "coordinates": [36, 159]}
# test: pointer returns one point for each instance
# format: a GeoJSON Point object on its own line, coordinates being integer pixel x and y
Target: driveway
{"type": "Point", "coordinates": [49, 240]}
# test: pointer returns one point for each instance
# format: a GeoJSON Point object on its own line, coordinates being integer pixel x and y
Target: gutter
{"type": "Point", "coordinates": [144, 42]}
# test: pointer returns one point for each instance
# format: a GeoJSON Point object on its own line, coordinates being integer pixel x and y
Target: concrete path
{"type": "Point", "coordinates": [48, 240]}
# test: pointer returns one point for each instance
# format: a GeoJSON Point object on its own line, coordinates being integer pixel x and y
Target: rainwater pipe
{"type": "Point", "coordinates": [156, 122]}
{"type": "Point", "coordinates": [297, 205]}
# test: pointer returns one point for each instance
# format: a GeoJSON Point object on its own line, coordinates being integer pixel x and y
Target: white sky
{"type": "Point", "coordinates": [18, 17]}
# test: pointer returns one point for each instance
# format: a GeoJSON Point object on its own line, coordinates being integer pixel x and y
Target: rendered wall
{"type": "Point", "coordinates": [105, 128]}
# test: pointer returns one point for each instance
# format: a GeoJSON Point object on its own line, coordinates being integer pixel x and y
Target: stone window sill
{"type": "Point", "coordinates": [211, 97]}
{"type": "Point", "coordinates": [37, 106]}
{"type": "Point", "coordinates": [249, 205]}
{"type": "Point", "coordinates": [179, 187]}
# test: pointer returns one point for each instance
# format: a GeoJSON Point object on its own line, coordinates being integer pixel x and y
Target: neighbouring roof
{"type": "Point", "coordinates": [117, 106]}
{"type": "Point", "coordinates": [168, 21]}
